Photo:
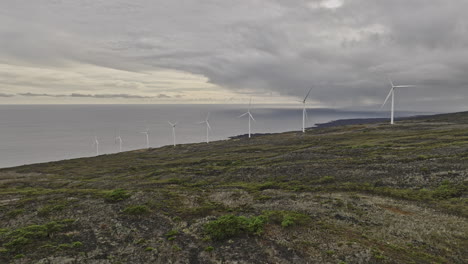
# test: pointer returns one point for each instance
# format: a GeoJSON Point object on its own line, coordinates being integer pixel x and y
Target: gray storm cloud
{"type": "Point", "coordinates": [343, 49]}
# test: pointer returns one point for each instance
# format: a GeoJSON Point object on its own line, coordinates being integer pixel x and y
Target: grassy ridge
{"type": "Point", "coordinates": [349, 182]}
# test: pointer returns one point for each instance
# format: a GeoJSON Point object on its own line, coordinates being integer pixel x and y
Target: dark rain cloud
{"type": "Point", "coordinates": [344, 53]}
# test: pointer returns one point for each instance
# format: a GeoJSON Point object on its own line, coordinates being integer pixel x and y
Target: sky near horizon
{"type": "Point", "coordinates": [190, 51]}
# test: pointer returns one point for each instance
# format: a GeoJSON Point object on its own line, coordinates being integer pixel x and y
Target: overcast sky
{"type": "Point", "coordinates": [213, 51]}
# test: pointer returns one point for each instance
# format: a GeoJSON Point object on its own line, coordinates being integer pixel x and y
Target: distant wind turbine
{"type": "Point", "coordinates": [392, 94]}
{"type": "Point", "coordinates": [173, 125]}
{"type": "Point", "coordinates": [118, 139]}
{"type": "Point", "coordinates": [304, 111]}
{"type": "Point", "coordinates": [96, 143]}
{"type": "Point", "coordinates": [248, 114]}
{"type": "Point", "coordinates": [147, 137]}
{"type": "Point", "coordinates": [208, 127]}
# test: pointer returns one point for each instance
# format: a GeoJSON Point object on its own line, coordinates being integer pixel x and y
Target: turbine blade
{"type": "Point", "coordinates": [251, 116]}
{"type": "Point", "coordinates": [208, 124]}
{"type": "Point", "coordinates": [243, 114]}
{"type": "Point", "coordinates": [207, 116]}
{"type": "Point", "coordinates": [403, 86]}
{"type": "Point", "coordinates": [170, 123]}
{"type": "Point", "coordinates": [386, 99]}
{"type": "Point", "coordinates": [305, 98]}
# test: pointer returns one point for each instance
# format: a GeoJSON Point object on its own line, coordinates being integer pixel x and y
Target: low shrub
{"type": "Point", "coordinates": [14, 213]}
{"type": "Point", "coordinates": [48, 209]}
{"type": "Point", "coordinates": [286, 218]}
{"type": "Point", "coordinates": [209, 249]}
{"type": "Point", "coordinates": [172, 234]}
{"type": "Point", "coordinates": [448, 190]}
{"type": "Point", "coordinates": [136, 210]}
{"type": "Point", "coordinates": [116, 195]}
{"type": "Point", "coordinates": [77, 244]}
{"type": "Point", "coordinates": [326, 179]}
{"type": "Point", "coordinates": [18, 238]}
{"type": "Point", "coordinates": [228, 226]}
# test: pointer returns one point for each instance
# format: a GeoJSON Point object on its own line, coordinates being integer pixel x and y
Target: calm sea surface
{"type": "Point", "coordinates": [40, 133]}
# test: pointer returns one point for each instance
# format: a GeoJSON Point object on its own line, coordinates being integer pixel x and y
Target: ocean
{"type": "Point", "coordinates": [42, 133]}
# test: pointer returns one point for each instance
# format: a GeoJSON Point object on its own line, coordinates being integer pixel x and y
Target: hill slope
{"type": "Point", "coordinates": [370, 193]}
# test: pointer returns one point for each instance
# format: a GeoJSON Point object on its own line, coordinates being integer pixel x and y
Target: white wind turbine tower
{"type": "Point", "coordinates": [147, 137]}
{"type": "Point", "coordinates": [118, 139]}
{"type": "Point", "coordinates": [392, 94]}
{"type": "Point", "coordinates": [173, 125]}
{"type": "Point", "coordinates": [96, 143]}
{"type": "Point", "coordinates": [304, 111]}
{"type": "Point", "coordinates": [249, 115]}
{"type": "Point", "coordinates": [208, 127]}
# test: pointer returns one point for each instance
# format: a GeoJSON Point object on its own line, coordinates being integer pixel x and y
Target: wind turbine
{"type": "Point", "coordinates": [208, 127]}
{"type": "Point", "coordinates": [392, 94]}
{"type": "Point", "coordinates": [96, 143]}
{"type": "Point", "coordinates": [249, 114]}
{"type": "Point", "coordinates": [118, 139]}
{"type": "Point", "coordinates": [147, 137]}
{"type": "Point", "coordinates": [173, 131]}
{"type": "Point", "coordinates": [304, 111]}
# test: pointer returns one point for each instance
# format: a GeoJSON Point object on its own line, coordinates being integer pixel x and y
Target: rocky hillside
{"type": "Point", "coordinates": [362, 193]}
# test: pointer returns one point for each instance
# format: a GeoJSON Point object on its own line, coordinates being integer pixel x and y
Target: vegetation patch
{"type": "Point", "coordinates": [48, 209]}
{"type": "Point", "coordinates": [17, 239]}
{"type": "Point", "coordinates": [116, 195]}
{"type": "Point", "coordinates": [209, 249]}
{"type": "Point", "coordinates": [15, 213]}
{"type": "Point", "coordinates": [137, 210]}
{"type": "Point", "coordinates": [287, 218]}
{"type": "Point", "coordinates": [171, 235]}
{"type": "Point", "coordinates": [228, 226]}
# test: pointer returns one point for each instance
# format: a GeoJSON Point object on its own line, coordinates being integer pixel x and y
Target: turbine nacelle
{"type": "Point", "coordinates": [147, 132]}
{"type": "Point", "coordinates": [208, 127]}
{"type": "Point", "coordinates": [392, 95]}
{"type": "Point", "coordinates": [249, 115]}
{"type": "Point", "coordinates": [173, 125]}
{"type": "Point", "coordinates": [392, 90]}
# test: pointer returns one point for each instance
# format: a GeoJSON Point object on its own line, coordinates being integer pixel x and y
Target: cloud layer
{"type": "Point", "coordinates": [342, 48]}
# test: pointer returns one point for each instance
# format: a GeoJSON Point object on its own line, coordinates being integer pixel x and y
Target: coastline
{"type": "Point", "coordinates": [333, 123]}
{"type": "Point", "coordinates": [327, 124]}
